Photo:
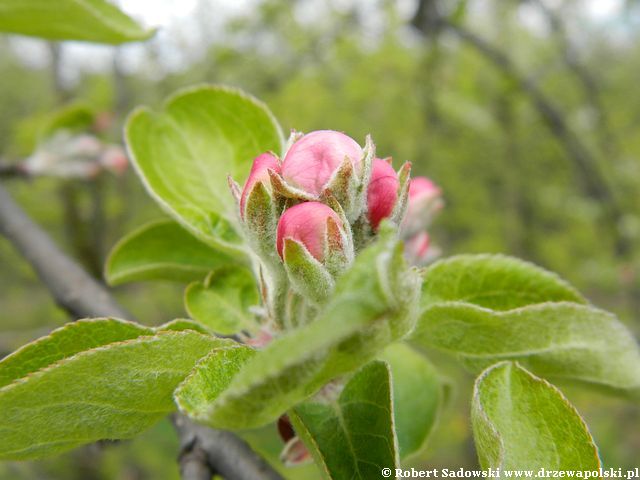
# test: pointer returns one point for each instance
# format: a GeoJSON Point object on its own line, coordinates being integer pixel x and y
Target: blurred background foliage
{"type": "Point", "coordinates": [526, 112]}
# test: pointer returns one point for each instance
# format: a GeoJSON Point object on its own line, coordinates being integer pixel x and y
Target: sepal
{"type": "Point", "coordinates": [308, 276]}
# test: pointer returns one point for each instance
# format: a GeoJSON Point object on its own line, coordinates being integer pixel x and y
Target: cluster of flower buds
{"type": "Point", "coordinates": [306, 216]}
{"type": "Point", "coordinates": [80, 156]}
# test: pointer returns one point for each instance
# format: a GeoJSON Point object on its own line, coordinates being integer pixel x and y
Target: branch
{"type": "Point", "coordinates": [594, 183]}
{"type": "Point", "coordinates": [72, 288]}
{"type": "Point", "coordinates": [11, 170]}
{"type": "Point", "coordinates": [585, 77]}
{"type": "Point", "coordinates": [205, 450]}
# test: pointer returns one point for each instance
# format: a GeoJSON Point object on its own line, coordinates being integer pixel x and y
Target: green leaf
{"type": "Point", "coordinates": [180, 324]}
{"type": "Point", "coordinates": [89, 20]}
{"type": "Point", "coordinates": [374, 305]}
{"type": "Point", "coordinates": [223, 300]}
{"type": "Point", "coordinates": [351, 436]}
{"type": "Point", "coordinates": [162, 250]}
{"type": "Point", "coordinates": [494, 281]}
{"type": "Point", "coordinates": [418, 396]}
{"type": "Point", "coordinates": [211, 377]}
{"type": "Point", "coordinates": [522, 422]}
{"type": "Point", "coordinates": [109, 392]}
{"type": "Point", "coordinates": [562, 341]}
{"type": "Point", "coordinates": [185, 153]}
{"type": "Point", "coordinates": [66, 341]}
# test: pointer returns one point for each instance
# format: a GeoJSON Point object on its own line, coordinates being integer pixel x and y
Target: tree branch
{"type": "Point", "coordinates": [219, 450]}
{"type": "Point", "coordinates": [594, 183]}
{"type": "Point", "coordinates": [205, 451]}
{"type": "Point", "coordinates": [72, 288]}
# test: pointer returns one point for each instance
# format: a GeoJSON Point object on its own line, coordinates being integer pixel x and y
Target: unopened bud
{"type": "Point", "coordinates": [259, 174]}
{"type": "Point", "coordinates": [312, 161]}
{"type": "Point", "coordinates": [307, 224]}
{"type": "Point", "coordinates": [382, 193]}
{"type": "Point", "coordinates": [419, 251]}
{"type": "Point", "coordinates": [424, 201]}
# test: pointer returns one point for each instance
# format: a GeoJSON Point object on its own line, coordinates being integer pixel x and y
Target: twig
{"type": "Point", "coordinates": [82, 296]}
{"type": "Point", "coordinates": [221, 451]}
{"type": "Point", "coordinates": [72, 288]}
{"type": "Point", "coordinates": [595, 185]}
{"type": "Point", "coordinates": [11, 170]}
{"type": "Point", "coordinates": [586, 78]}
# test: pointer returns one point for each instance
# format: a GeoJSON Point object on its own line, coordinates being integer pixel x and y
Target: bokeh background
{"type": "Point", "coordinates": [525, 112]}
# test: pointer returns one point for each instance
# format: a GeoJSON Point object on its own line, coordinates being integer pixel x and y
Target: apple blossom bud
{"type": "Point", "coordinates": [419, 251]}
{"type": "Point", "coordinates": [382, 193]}
{"type": "Point", "coordinates": [424, 200]}
{"type": "Point", "coordinates": [307, 224]}
{"type": "Point", "coordinates": [259, 173]}
{"type": "Point", "coordinates": [312, 161]}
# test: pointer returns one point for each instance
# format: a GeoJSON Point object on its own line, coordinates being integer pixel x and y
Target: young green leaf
{"type": "Point", "coordinates": [493, 281]}
{"type": "Point", "coordinates": [223, 300]}
{"type": "Point", "coordinates": [522, 422]}
{"type": "Point", "coordinates": [180, 324]}
{"type": "Point", "coordinates": [562, 341]}
{"type": "Point", "coordinates": [66, 341]}
{"type": "Point", "coordinates": [162, 250]}
{"type": "Point", "coordinates": [211, 377]}
{"type": "Point", "coordinates": [374, 305]}
{"type": "Point", "coordinates": [418, 396]}
{"type": "Point", "coordinates": [89, 20]}
{"type": "Point", "coordinates": [185, 153]}
{"type": "Point", "coordinates": [351, 436]}
{"type": "Point", "coordinates": [109, 392]}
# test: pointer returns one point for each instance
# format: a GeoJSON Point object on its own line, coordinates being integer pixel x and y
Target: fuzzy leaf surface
{"type": "Point", "coordinates": [563, 341]}
{"type": "Point", "coordinates": [351, 436]}
{"type": "Point", "coordinates": [184, 154]}
{"type": "Point", "coordinates": [65, 341]}
{"type": "Point", "coordinates": [522, 422]}
{"type": "Point", "coordinates": [162, 250]}
{"type": "Point", "coordinates": [418, 396]}
{"type": "Point", "coordinates": [493, 281]}
{"type": "Point", "coordinates": [89, 20]}
{"type": "Point", "coordinates": [108, 392]}
{"type": "Point", "coordinates": [223, 300]}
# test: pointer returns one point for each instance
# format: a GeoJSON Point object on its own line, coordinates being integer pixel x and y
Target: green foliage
{"type": "Point", "coordinates": [351, 436]}
{"type": "Point", "coordinates": [359, 320]}
{"type": "Point", "coordinates": [89, 20]}
{"type": "Point", "coordinates": [210, 378]}
{"type": "Point", "coordinates": [66, 341]}
{"type": "Point", "coordinates": [115, 388]}
{"type": "Point", "coordinates": [162, 250]}
{"type": "Point", "coordinates": [223, 300]}
{"type": "Point", "coordinates": [564, 341]}
{"type": "Point", "coordinates": [418, 397]}
{"type": "Point", "coordinates": [493, 281]}
{"type": "Point", "coordinates": [185, 153]}
{"type": "Point", "coordinates": [522, 422]}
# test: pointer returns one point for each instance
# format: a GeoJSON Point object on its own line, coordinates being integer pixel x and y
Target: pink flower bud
{"type": "Point", "coordinates": [382, 193]}
{"type": "Point", "coordinates": [311, 161]}
{"type": "Point", "coordinates": [424, 201]}
{"type": "Point", "coordinates": [259, 173]}
{"type": "Point", "coordinates": [417, 247]}
{"type": "Point", "coordinates": [306, 223]}
{"type": "Point", "coordinates": [422, 187]}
